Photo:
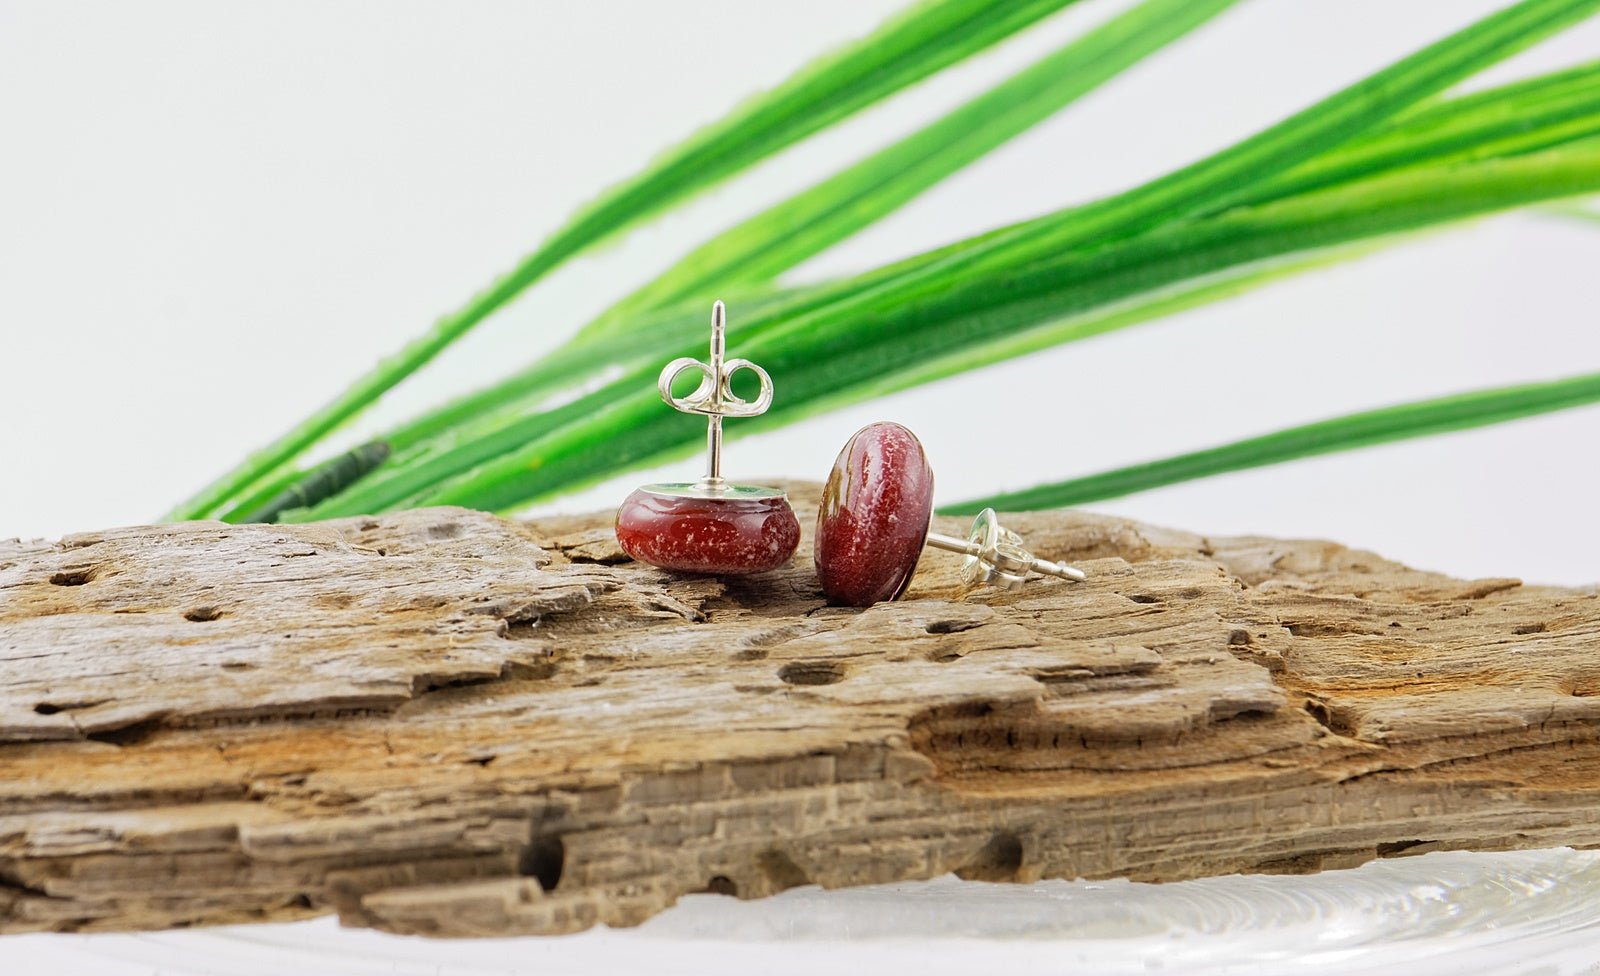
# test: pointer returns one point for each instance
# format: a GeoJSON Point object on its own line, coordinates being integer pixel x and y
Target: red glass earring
{"type": "Point", "coordinates": [874, 518]}
{"type": "Point", "coordinates": [711, 526]}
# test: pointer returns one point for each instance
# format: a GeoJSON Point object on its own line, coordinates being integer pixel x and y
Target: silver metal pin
{"type": "Point", "coordinates": [996, 555]}
{"type": "Point", "coordinates": [714, 397]}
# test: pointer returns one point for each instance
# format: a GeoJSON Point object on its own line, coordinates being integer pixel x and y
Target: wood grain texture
{"type": "Point", "coordinates": [445, 723]}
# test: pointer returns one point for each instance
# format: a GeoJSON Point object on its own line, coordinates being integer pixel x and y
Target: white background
{"type": "Point", "coordinates": [214, 215]}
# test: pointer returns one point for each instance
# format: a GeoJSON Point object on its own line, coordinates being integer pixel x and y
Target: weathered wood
{"type": "Point", "coordinates": [441, 722]}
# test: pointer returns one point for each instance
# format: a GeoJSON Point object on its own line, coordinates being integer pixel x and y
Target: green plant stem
{"type": "Point", "coordinates": [849, 313]}
{"type": "Point", "coordinates": [1222, 179]}
{"type": "Point", "coordinates": [1535, 113]}
{"type": "Point", "coordinates": [1407, 420]}
{"type": "Point", "coordinates": [822, 364]}
{"type": "Point", "coordinates": [750, 254]}
{"type": "Point", "coordinates": [571, 366]}
{"type": "Point", "coordinates": [806, 224]}
{"type": "Point", "coordinates": [1521, 117]}
{"type": "Point", "coordinates": [912, 46]}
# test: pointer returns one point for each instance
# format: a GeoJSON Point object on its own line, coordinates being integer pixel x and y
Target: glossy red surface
{"type": "Point", "coordinates": [725, 536]}
{"type": "Point", "coordinates": [874, 516]}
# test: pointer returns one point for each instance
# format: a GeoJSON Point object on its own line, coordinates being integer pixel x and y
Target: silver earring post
{"type": "Point", "coordinates": [995, 554]}
{"type": "Point", "coordinates": [714, 400]}
{"type": "Point", "coordinates": [719, 350]}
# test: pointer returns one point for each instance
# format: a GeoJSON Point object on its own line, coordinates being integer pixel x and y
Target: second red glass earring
{"type": "Point", "coordinates": [874, 519]}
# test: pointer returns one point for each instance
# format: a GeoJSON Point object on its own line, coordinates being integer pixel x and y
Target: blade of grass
{"type": "Point", "coordinates": [567, 367]}
{"type": "Point", "coordinates": [806, 224]}
{"type": "Point", "coordinates": [831, 358]}
{"type": "Point", "coordinates": [1529, 114]}
{"type": "Point", "coordinates": [565, 372]}
{"type": "Point", "coordinates": [1222, 178]}
{"type": "Point", "coordinates": [1211, 183]}
{"type": "Point", "coordinates": [1142, 307]}
{"type": "Point", "coordinates": [1225, 177]}
{"type": "Point", "coordinates": [1407, 420]}
{"type": "Point", "coordinates": [1524, 116]}
{"type": "Point", "coordinates": [820, 370]}
{"type": "Point", "coordinates": [755, 251]}
{"type": "Point", "coordinates": [1219, 180]}
{"type": "Point", "coordinates": [904, 50]}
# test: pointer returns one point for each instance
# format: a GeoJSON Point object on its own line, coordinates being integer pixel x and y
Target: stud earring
{"type": "Point", "coordinates": [711, 526]}
{"type": "Point", "coordinates": [874, 518]}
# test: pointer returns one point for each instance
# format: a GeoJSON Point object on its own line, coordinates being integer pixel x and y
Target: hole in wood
{"type": "Point", "coordinates": [811, 673]}
{"type": "Point", "coordinates": [781, 870]}
{"type": "Point", "coordinates": [1143, 598]}
{"type": "Point", "coordinates": [721, 884]}
{"type": "Point", "coordinates": [1247, 715]}
{"type": "Point", "coordinates": [949, 626]}
{"type": "Point", "coordinates": [200, 615]}
{"type": "Point", "coordinates": [997, 860]}
{"type": "Point", "coordinates": [72, 577]}
{"type": "Point", "coordinates": [543, 860]}
{"type": "Point", "coordinates": [528, 670]}
{"type": "Point", "coordinates": [128, 735]}
{"type": "Point", "coordinates": [1320, 711]}
{"type": "Point", "coordinates": [53, 708]}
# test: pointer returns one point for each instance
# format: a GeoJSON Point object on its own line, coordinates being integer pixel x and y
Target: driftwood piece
{"type": "Point", "coordinates": [445, 723]}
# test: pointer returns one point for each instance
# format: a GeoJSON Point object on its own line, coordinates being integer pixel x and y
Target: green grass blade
{"type": "Point", "coordinates": [1408, 420]}
{"type": "Point", "coordinates": [837, 356]}
{"type": "Point", "coordinates": [752, 253]}
{"type": "Point", "coordinates": [1225, 177]}
{"type": "Point", "coordinates": [1142, 307]}
{"type": "Point", "coordinates": [1538, 86]}
{"type": "Point", "coordinates": [1003, 308]}
{"type": "Point", "coordinates": [570, 370]}
{"type": "Point", "coordinates": [906, 49]}
{"type": "Point", "coordinates": [806, 224]}
{"type": "Point", "coordinates": [1525, 116]}
{"type": "Point", "coordinates": [568, 367]}
{"type": "Point", "coordinates": [1217, 181]}
{"type": "Point", "coordinates": [846, 317]}
{"type": "Point", "coordinates": [1531, 114]}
